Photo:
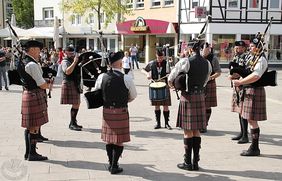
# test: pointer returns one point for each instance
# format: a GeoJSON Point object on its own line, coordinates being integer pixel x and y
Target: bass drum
{"type": "Point", "coordinates": [90, 63]}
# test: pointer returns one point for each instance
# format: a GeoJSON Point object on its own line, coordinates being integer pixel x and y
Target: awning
{"type": "Point", "coordinates": [150, 26]}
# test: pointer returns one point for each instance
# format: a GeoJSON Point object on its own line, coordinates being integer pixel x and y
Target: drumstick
{"type": "Point", "coordinates": [162, 78]}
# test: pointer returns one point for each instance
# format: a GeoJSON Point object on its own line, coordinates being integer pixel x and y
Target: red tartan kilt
{"type": "Point", "coordinates": [34, 108]}
{"type": "Point", "coordinates": [192, 112]}
{"type": "Point", "coordinates": [166, 102]}
{"type": "Point", "coordinates": [115, 126]}
{"type": "Point", "coordinates": [254, 104]}
{"type": "Point", "coordinates": [69, 94]}
{"type": "Point", "coordinates": [234, 106]}
{"type": "Point", "coordinates": [210, 97]}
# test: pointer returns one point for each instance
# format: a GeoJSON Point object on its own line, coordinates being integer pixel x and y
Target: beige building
{"type": "Point", "coordinates": [6, 10]}
{"type": "Point", "coordinates": [152, 25]}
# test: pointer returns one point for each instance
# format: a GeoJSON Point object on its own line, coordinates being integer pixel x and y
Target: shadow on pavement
{"type": "Point", "coordinates": [248, 174]}
{"type": "Point", "coordinates": [145, 171]}
{"type": "Point", "coordinates": [90, 145]}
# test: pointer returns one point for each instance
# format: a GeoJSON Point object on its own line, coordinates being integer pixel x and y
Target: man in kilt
{"type": "Point", "coordinates": [192, 110]}
{"type": "Point", "coordinates": [71, 86]}
{"type": "Point", "coordinates": [34, 98]}
{"type": "Point", "coordinates": [118, 89]}
{"type": "Point", "coordinates": [210, 90]}
{"type": "Point", "coordinates": [253, 106]}
{"type": "Point", "coordinates": [240, 58]}
{"type": "Point", "coordinates": [158, 70]}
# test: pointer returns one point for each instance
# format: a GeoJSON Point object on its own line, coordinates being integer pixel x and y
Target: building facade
{"type": "Point", "coordinates": [80, 31]}
{"type": "Point", "coordinates": [6, 11]}
{"type": "Point", "coordinates": [153, 24]}
{"type": "Point", "coordinates": [233, 20]}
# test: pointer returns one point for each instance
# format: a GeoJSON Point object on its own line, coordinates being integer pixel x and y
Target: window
{"type": "Point", "coordinates": [140, 4]}
{"type": "Point", "coordinates": [254, 4]}
{"type": "Point", "coordinates": [78, 19]}
{"type": "Point", "coordinates": [48, 13]}
{"type": "Point", "coordinates": [274, 4]}
{"type": "Point", "coordinates": [129, 4]}
{"type": "Point", "coordinates": [233, 3]}
{"type": "Point", "coordinates": [75, 19]}
{"type": "Point", "coordinates": [156, 3]}
{"type": "Point", "coordinates": [112, 44]}
{"type": "Point", "coordinates": [102, 17]}
{"type": "Point", "coordinates": [168, 2]}
{"type": "Point", "coordinates": [91, 18]}
{"type": "Point", "coordinates": [194, 3]}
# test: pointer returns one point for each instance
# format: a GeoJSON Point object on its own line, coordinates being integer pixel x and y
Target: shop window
{"type": "Point", "coordinates": [48, 13]}
{"type": "Point", "coordinates": [140, 4]}
{"type": "Point", "coordinates": [129, 4]}
{"type": "Point", "coordinates": [223, 47]}
{"type": "Point", "coordinates": [156, 3]}
{"type": "Point", "coordinates": [254, 4]}
{"type": "Point", "coordinates": [112, 45]}
{"type": "Point", "coordinates": [233, 4]}
{"type": "Point", "coordinates": [194, 3]}
{"type": "Point", "coordinates": [275, 4]}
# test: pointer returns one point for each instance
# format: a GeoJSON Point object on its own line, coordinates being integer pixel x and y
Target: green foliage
{"type": "Point", "coordinates": [110, 7]}
{"type": "Point", "coordinates": [23, 9]}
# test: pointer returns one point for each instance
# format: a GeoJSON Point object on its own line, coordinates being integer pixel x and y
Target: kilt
{"type": "Point", "coordinates": [166, 102]}
{"type": "Point", "coordinates": [235, 107]}
{"type": "Point", "coordinates": [115, 126]}
{"type": "Point", "coordinates": [192, 112]}
{"type": "Point", "coordinates": [210, 96]}
{"type": "Point", "coordinates": [254, 104]}
{"type": "Point", "coordinates": [34, 108]}
{"type": "Point", "coordinates": [69, 94]}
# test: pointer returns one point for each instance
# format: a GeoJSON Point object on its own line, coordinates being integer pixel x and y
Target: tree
{"type": "Point", "coordinates": [110, 7]}
{"type": "Point", "coordinates": [23, 9]}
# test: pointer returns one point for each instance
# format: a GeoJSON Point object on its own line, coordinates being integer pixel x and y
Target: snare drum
{"type": "Point", "coordinates": [157, 91]}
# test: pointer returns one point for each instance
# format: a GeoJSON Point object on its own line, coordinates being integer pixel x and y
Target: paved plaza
{"type": "Point", "coordinates": [151, 154]}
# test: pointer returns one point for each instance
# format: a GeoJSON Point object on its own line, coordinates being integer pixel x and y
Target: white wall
{"type": "Point", "coordinates": [40, 4]}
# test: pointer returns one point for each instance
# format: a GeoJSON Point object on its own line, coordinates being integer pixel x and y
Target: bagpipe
{"type": "Point", "coordinates": [179, 83]}
{"type": "Point", "coordinates": [269, 77]}
{"type": "Point", "coordinates": [16, 76]}
{"type": "Point", "coordinates": [92, 65]}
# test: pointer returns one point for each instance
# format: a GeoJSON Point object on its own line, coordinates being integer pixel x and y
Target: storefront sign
{"type": "Point", "coordinates": [150, 26]}
{"type": "Point", "coordinates": [139, 25]}
{"type": "Point", "coordinates": [200, 12]}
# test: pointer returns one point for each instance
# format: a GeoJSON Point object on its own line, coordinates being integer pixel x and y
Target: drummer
{"type": "Point", "coordinates": [157, 70]}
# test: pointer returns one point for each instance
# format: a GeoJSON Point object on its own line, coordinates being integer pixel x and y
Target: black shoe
{"type": "Point", "coordinates": [168, 127]}
{"type": "Point", "coordinates": [41, 138]}
{"type": "Point", "coordinates": [203, 130]}
{"type": "Point", "coordinates": [185, 166]}
{"type": "Point", "coordinates": [195, 166]}
{"type": "Point", "coordinates": [116, 170]}
{"type": "Point", "coordinates": [75, 123]}
{"type": "Point", "coordinates": [243, 140]}
{"type": "Point", "coordinates": [157, 126]}
{"type": "Point", "coordinates": [25, 156]}
{"type": "Point", "coordinates": [74, 127]}
{"type": "Point", "coordinates": [251, 152]}
{"type": "Point", "coordinates": [7, 88]}
{"type": "Point", "coordinates": [238, 137]}
{"type": "Point", "coordinates": [36, 157]}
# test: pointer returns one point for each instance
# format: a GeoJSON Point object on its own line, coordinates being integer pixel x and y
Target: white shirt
{"type": "Point", "coordinates": [183, 65]}
{"type": "Point", "coordinates": [35, 71]}
{"type": "Point", "coordinates": [126, 62]}
{"type": "Point", "coordinates": [260, 67]}
{"type": "Point", "coordinates": [133, 51]}
{"type": "Point", "coordinates": [132, 93]}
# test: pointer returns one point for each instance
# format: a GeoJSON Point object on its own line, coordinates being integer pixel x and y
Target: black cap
{"type": "Point", "coordinates": [115, 56]}
{"type": "Point", "coordinates": [196, 44]}
{"type": "Point", "coordinates": [33, 43]}
{"type": "Point", "coordinates": [69, 49]}
{"type": "Point", "coordinates": [160, 52]}
{"type": "Point", "coordinates": [240, 43]}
